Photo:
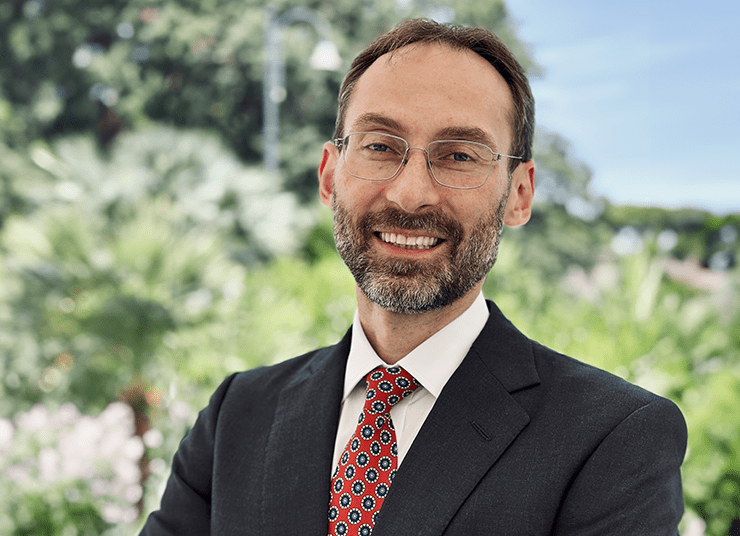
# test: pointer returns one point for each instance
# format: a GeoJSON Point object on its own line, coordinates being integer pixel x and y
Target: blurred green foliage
{"type": "Point", "coordinates": [103, 66]}
{"type": "Point", "coordinates": [144, 255]}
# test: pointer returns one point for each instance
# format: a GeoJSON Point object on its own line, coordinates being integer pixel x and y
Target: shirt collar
{"type": "Point", "coordinates": [432, 362]}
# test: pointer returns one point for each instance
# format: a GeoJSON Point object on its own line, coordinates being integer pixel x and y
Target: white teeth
{"type": "Point", "coordinates": [409, 242]}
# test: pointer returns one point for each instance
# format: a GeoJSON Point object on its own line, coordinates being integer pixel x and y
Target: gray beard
{"type": "Point", "coordinates": [410, 287]}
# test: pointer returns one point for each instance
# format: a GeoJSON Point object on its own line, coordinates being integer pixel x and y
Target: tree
{"type": "Point", "coordinates": [104, 66]}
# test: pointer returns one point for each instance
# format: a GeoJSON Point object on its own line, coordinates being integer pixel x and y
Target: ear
{"type": "Point", "coordinates": [519, 206]}
{"type": "Point", "coordinates": [329, 159]}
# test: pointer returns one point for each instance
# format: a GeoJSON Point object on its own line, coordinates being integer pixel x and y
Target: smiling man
{"type": "Point", "coordinates": [465, 425]}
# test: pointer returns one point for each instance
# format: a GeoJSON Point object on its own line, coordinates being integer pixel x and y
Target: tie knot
{"type": "Point", "coordinates": [386, 387]}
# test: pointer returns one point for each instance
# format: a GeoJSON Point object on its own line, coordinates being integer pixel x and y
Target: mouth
{"type": "Point", "coordinates": [406, 241]}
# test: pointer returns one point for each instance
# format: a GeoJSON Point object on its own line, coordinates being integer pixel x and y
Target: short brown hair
{"type": "Point", "coordinates": [479, 40]}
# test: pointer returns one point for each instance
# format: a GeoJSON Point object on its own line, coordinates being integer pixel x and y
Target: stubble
{"type": "Point", "coordinates": [409, 286]}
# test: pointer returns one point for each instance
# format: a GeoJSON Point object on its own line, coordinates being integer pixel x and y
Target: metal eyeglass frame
{"type": "Point", "coordinates": [341, 142]}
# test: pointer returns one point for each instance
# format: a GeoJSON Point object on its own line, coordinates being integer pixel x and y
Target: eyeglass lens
{"type": "Point", "coordinates": [457, 164]}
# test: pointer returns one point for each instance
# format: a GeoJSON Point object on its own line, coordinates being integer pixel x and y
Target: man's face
{"type": "Point", "coordinates": [412, 244]}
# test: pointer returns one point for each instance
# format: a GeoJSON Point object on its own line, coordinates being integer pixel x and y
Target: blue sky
{"type": "Point", "coordinates": [648, 92]}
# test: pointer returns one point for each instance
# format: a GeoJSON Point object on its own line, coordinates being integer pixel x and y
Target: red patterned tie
{"type": "Point", "coordinates": [368, 463]}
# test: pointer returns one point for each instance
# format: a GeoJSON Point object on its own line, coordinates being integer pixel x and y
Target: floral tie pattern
{"type": "Point", "coordinates": [368, 463]}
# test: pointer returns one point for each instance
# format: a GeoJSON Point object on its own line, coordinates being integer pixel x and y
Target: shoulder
{"type": "Point", "coordinates": [262, 386]}
{"type": "Point", "coordinates": [600, 408]}
{"type": "Point", "coordinates": [569, 377]}
{"type": "Point", "coordinates": [562, 388]}
{"type": "Point", "coordinates": [580, 385]}
{"type": "Point", "coordinates": [269, 377]}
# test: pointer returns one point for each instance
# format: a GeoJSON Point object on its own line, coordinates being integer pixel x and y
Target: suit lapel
{"type": "Point", "coordinates": [301, 444]}
{"type": "Point", "coordinates": [471, 425]}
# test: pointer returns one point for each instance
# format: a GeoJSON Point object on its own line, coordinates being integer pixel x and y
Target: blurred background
{"type": "Point", "coordinates": [160, 229]}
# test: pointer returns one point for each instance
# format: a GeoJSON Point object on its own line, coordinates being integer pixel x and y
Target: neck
{"type": "Point", "coordinates": [395, 335]}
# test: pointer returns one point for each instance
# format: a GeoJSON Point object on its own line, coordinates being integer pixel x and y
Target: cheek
{"type": "Point", "coordinates": [359, 194]}
{"type": "Point", "coordinates": [476, 210]}
{"type": "Point", "coordinates": [467, 206]}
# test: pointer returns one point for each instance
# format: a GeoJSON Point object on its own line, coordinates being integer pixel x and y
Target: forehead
{"type": "Point", "coordinates": [427, 88]}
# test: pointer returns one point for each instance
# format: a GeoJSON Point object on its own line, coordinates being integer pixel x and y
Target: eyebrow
{"type": "Point", "coordinates": [372, 120]}
{"type": "Point", "coordinates": [467, 133]}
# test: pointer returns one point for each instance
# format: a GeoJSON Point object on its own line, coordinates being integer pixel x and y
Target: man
{"type": "Point", "coordinates": [466, 426]}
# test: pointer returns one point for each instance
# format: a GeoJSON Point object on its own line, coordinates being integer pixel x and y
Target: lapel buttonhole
{"type": "Point", "coordinates": [478, 428]}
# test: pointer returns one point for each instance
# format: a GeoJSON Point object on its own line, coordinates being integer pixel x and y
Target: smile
{"type": "Point", "coordinates": [409, 242]}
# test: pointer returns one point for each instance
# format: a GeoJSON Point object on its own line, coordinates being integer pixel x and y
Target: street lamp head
{"type": "Point", "coordinates": [325, 56]}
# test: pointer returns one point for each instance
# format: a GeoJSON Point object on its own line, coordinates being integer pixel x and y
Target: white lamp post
{"type": "Point", "coordinates": [325, 57]}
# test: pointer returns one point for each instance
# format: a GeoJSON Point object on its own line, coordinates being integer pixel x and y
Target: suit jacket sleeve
{"type": "Point", "coordinates": [631, 484]}
{"type": "Point", "coordinates": [186, 503]}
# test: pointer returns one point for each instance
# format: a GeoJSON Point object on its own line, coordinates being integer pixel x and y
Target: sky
{"type": "Point", "coordinates": [647, 92]}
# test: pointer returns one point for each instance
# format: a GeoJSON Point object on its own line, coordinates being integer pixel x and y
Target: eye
{"type": "Point", "coordinates": [383, 145]}
{"type": "Point", "coordinates": [459, 153]}
{"type": "Point", "coordinates": [456, 155]}
{"type": "Point", "coordinates": [460, 157]}
{"type": "Point", "coordinates": [378, 147]}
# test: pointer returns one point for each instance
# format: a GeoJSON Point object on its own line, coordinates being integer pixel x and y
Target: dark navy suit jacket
{"type": "Point", "coordinates": [522, 441]}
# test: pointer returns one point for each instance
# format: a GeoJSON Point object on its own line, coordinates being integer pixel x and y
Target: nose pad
{"type": "Point", "coordinates": [408, 153]}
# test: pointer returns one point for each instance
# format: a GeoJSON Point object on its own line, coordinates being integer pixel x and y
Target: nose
{"type": "Point", "coordinates": [414, 187]}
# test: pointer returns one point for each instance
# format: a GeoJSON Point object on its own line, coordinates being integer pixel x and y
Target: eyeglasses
{"type": "Point", "coordinates": [460, 164]}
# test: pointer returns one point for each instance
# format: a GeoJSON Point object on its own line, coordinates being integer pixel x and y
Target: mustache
{"type": "Point", "coordinates": [434, 222]}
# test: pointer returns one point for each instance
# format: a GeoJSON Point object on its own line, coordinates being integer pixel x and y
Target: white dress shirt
{"type": "Point", "coordinates": [431, 363]}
